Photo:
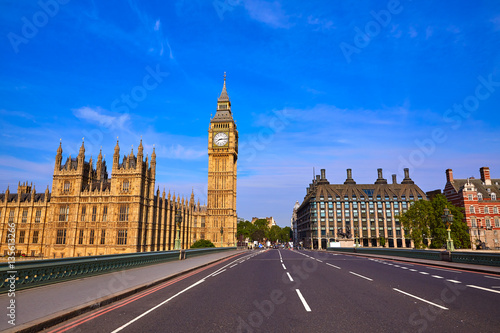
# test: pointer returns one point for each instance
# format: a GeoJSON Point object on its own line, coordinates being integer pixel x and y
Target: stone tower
{"type": "Point", "coordinates": [222, 158]}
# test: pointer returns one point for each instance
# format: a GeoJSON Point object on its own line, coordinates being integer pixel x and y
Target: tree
{"type": "Point", "coordinates": [258, 235]}
{"type": "Point", "coordinates": [424, 220]}
{"type": "Point", "coordinates": [286, 234]}
{"type": "Point", "coordinates": [417, 220]}
{"type": "Point", "coordinates": [245, 228]}
{"type": "Point", "coordinates": [274, 233]}
{"type": "Point", "coordinates": [202, 243]}
{"type": "Point", "coordinates": [459, 229]}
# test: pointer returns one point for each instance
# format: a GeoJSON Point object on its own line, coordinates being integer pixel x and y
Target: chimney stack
{"type": "Point", "coordinates": [449, 175]}
{"type": "Point", "coordinates": [323, 174]}
{"type": "Point", "coordinates": [380, 179]}
{"type": "Point", "coordinates": [407, 179]}
{"type": "Point", "coordinates": [349, 179]}
{"type": "Point", "coordinates": [394, 179]}
{"type": "Point", "coordinates": [485, 175]}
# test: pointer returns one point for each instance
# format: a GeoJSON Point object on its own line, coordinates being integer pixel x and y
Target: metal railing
{"type": "Point", "coordinates": [490, 259]}
{"type": "Point", "coordinates": [33, 273]}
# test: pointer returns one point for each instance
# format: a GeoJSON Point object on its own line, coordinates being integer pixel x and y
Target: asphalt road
{"type": "Point", "coordinates": [306, 291]}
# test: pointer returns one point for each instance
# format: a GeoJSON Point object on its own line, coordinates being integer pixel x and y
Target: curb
{"type": "Point", "coordinates": [47, 322]}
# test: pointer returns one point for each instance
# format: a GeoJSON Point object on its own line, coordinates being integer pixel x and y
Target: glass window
{"type": "Point", "coordinates": [63, 213]}
{"type": "Point", "coordinates": [11, 216]}
{"type": "Point", "coordinates": [123, 213]}
{"type": "Point", "coordinates": [493, 196]}
{"type": "Point", "coordinates": [38, 215]}
{"type": "Point", "coordinates": [470, 197]}
{"type": "Point", "coordinates": [94, 213]}
{"type": "Point", "coordinates": [488, 222]}
{"type": "Point", "coordinates": [479, 196]}
{"type": "Point", "coordinates": [473, 222]}
{"type": "Point", "coordinates": [22, 233]}
{"type": "Point", "coordinates": [122, 237]}
{"type": "Point", "coordinates": [84, 211]}
{"type": "Point", "coordinates": [471, 210]}
{"type": "Point", "coordinates": [125, 186]}
{"type": "Point", "coordinates": [61, 236]}
{"type": "Point", "coordinates": [104, 213]}
{"type": "Point", "coordinates": [35, 236]}
{"type": "Point", "coordinates": [67, 186]}
{"type": "Point", "coordinates": [80, 237]}
{"type": "Point", "coordinates": [91, 237]}
{"type": "Point", "coordinates": [497, 222]}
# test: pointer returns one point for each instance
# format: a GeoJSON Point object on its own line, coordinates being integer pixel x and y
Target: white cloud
{"type": "Point", "coordinates": [102, 117]}
{"type": "Point", "coordinates": [269, 13]}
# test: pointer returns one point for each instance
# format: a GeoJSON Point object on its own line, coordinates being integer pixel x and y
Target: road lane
{"type": "Point", "coordinates": [297, 291]}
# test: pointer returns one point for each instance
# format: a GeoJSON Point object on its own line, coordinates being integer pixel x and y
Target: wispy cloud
{"type": "Point", "coordinates": [269, 13]}
{"type": "Point", "coordinates": [102, 117]}
{"type": "Point", "coordinates": [320, 24]}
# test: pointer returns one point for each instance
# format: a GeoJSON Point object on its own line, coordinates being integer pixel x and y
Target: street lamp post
{"type": "Point", "coordinates": [448, 220]}
{"type": "Point", "coordinates": [178, 221]}
{"type": "Point", "coordinates": [221, 233]}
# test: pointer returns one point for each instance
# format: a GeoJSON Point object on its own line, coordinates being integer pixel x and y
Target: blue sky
{"type": "Point", "coordinates": [323, 84]}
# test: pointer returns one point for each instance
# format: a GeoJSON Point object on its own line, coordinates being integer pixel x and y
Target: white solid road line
{"type": "Point", "coordinates": [482, 288]}
{"type": "Point", "coordinates": [491, 277]}
{"type": "Point", "coordinates": [233, 265]}
{"type": "Point", "coordinates": [306, 306]}
{"type": "Point", "coordinates": [157, 306]}
{"type": "Point", "coordinates": [361, 276]}
{"type": "Point", "coordinates": [217, 273]}
{"type": "Point", "coordinates": [289, 276]}
{"type": "Point", "coordinates": [421, 299]}
{"type": "Point", "coordinates": [333, 265]}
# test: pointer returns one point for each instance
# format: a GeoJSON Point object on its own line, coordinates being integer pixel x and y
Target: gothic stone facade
{"type": "Point", "coordinates": [88, 213]}
{"type": "Point", "coordinates": [222, 162]}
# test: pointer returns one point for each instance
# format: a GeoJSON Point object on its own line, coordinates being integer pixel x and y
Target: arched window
{"type": "Point", "coordinates": [125, 186]}
{"type": "Point", "coordinates": [479, 196]}
{"type": "Point", "coordinates": [67, 186]}
{"type": "Point", "coordinates": [493, 196]}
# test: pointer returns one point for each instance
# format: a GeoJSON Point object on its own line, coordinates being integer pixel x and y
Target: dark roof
{"type": "Point", "coordinates": [25, 197]}
{"type": "Point", "coordinates": [365, 190]}
{"type": "Point", "coordinates": [458, 185]}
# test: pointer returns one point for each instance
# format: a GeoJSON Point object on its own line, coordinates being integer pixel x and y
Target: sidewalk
{"type": "Point", "coordinates": [448, 264]}
{"type": "Point", "coordinates": [51, 304]}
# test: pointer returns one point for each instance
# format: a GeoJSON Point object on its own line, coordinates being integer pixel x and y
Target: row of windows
{"type": "Point", "coordinates": [64, 213]}
{"type": "Point", "coordinates": [370, 197]}
{"type": "Point", "coordinates": [125, 186]}
{"type": "Point", "coordinates": [24, 215]}
{"type": "Point", "coordinates": [480, 196]}
{"type": "Point", "coordinates": [486, 210]}
{"type": "Point", "coordinates": [22, 237]}
{"type": "Point", "coordinates": [487, 221]}
{"type": "Point", "coordinates": [121, 238]}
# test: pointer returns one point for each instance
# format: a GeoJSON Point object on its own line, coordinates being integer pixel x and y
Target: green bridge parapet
{"type": "Point", "coordinates": [35, 273]}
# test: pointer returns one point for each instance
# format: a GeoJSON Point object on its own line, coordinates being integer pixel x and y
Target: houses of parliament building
{"type": "Point", "coordinates": [88, 213]}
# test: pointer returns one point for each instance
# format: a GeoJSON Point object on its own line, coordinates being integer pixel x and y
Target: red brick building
{"type": "Point", "coordinates": [480, 199]}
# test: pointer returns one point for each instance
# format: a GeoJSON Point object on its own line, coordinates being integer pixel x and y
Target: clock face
{"type": "Point", "coordinates": [220, 139]}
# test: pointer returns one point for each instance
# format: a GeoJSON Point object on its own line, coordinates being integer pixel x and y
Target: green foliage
{"type": "Point", "coordinates": [418, 221]}
{"type": "Point", "coordinates": [286, 234]}
{"type": "Point", "coordinates": [245, 228]}
{"type": "Point", "coordinates": [202, 243]}
{"type": "Point", "coordinates": [424, 220]}
{"type": "Point", "coordinates": [262, 224]}
{"type": "Point", "coordinates": [259, 230]}
{"type": "Point", "coordinates": [274, 233]}
{"type": "Point", "coordinates": [382, 241]}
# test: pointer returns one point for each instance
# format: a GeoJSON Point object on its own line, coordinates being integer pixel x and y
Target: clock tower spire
{"type": "Point", "coordinates": [222, 158]}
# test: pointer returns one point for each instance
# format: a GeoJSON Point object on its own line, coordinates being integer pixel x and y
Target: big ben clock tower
{"type": "Point", "coordinates": [222, 157]}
